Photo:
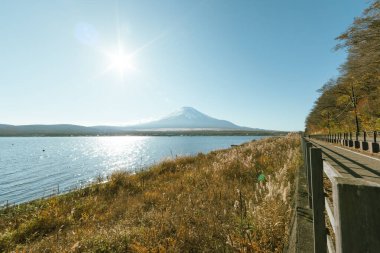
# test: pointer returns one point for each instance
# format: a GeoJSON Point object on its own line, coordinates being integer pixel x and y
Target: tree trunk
{"type": "Point", "coordinates": [354, 103]}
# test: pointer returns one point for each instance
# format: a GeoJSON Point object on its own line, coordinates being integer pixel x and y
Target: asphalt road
{"type": "Point", "coordinates": [350, 163]}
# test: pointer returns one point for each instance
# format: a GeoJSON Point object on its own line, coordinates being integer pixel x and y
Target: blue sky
{"type": "Point", "coordinates": [257, 63]}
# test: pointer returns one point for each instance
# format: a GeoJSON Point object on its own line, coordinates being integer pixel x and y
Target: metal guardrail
{"type": "Point", "coordinates": [354, 213]}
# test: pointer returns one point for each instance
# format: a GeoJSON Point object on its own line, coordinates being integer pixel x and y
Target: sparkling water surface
{"type": "Point", "coordinates": [34, 167]}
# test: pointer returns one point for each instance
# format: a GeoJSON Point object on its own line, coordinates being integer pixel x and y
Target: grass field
{"type": "Point", "coordinates": [233, 200]}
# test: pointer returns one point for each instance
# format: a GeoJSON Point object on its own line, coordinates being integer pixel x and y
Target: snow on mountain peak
{"type": "Point", "coordinates": [187, 112]}
{"type": "Point", "coordinates": [188, 118]}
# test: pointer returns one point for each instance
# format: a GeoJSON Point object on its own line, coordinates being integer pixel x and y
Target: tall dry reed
{"type": "Point", "coordinates": [234, 200]}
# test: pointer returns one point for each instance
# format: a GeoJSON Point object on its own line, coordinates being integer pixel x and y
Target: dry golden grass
{"type": "Point", "coordinates": [205, 203]}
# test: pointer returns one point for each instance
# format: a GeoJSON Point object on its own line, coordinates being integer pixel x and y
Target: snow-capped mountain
{"type": "Point", "coordinates": [184, 119]}
{"type": "Point", "coordinates": [188, 118]}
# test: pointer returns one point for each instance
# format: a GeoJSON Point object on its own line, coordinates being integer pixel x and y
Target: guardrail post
{"type": "Point", "coordinates": [364, 143]}
{"type": "Point", "coordinates": [357, 142]}
{"type": "Point", "coordinates": [346, 140]}
{"type": "Point", "coordinates": [374, 146]}
{"type": "Point", "coordinates": [320, 239]}
{"type": "Point", "coordinates": [350, 141]}
{"type": "Point", "coordinates": [357, 215]}
{"type": "Point", "coordinates": [308, 173]}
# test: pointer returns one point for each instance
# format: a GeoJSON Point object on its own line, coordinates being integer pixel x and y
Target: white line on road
{"type": "Point", "coordinates": [377, 159]}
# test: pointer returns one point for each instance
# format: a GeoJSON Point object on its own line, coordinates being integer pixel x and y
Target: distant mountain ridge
{"type": "Point", "coordinates": [46, 130]}
{"type": "Point", "coordinates": [189, 118]}
{"type": "Point", "coordinates": [184, 119]}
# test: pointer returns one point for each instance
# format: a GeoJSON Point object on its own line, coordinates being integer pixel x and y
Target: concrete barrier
{"type": "Point", "coordinates": [364, 145]}
{"type": "Point", "coordinates": [357, 144]}
{"type": "Point", "coordinates": [374, 147]}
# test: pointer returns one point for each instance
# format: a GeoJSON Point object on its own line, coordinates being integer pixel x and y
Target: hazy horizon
{"type": "Point", "coordinates": [180, 111]}
{"type": "Point", "coordinates": [255, 63]}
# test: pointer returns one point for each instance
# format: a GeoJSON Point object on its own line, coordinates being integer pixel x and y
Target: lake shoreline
{"type": "Point", "coordinates": [33, 167]}
{"type": "Point", "coordinates": [188, 201]}
{"type": "Point", "coordinates": [155, 133]}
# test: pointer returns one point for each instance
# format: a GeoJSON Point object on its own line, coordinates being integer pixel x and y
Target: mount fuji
{"type": "Point", "coordinates": [188, 118]}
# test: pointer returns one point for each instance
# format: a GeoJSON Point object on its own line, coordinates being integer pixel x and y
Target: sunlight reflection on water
{"type": "Point", "coordinates": [28, 172]}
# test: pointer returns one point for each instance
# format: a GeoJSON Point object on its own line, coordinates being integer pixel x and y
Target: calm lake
{"type": "Point", "coordinates": [34, 167]}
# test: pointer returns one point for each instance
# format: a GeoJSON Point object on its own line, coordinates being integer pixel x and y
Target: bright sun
{"type": "Point", "coordinates": [120, 62]}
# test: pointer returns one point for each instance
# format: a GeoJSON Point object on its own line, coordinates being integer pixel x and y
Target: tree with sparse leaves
{"type": "Point", "coordinates": [352, 101]}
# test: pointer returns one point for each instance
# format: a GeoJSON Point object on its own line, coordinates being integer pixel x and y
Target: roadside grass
{"type": "Point", "coordinates": [205, 203]}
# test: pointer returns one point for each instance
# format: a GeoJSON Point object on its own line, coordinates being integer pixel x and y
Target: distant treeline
{"type": "Point", "coordinates": [351, 102]}
{"type": "Point", "coordinates": [151, 133]}
{"type": "Point", "coordinates": [76, 130]}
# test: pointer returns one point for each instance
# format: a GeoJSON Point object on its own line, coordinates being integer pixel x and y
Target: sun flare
{"type": "Point", "coordinates": [120, 62]}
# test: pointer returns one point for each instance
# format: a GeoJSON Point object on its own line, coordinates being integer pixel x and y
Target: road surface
{"type": "Point", "coordinates": [350, 163]}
